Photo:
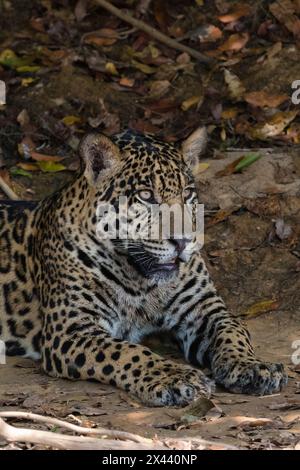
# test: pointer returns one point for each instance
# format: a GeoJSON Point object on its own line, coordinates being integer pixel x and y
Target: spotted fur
{"type": "Point", "coordinates": [83, 304]}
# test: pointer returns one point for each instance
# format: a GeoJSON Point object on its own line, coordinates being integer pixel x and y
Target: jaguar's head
{"type": "Point", "coordinates": [148, 184]}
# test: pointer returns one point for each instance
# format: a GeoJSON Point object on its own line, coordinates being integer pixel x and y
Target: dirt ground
{"type": "Point", "coordinates": [252, 235]}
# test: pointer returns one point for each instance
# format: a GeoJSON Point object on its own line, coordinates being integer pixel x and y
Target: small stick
{"type": "Point", "coordinates": [163, 38]}
{"type": "Point", "coordinates": [7, 190]}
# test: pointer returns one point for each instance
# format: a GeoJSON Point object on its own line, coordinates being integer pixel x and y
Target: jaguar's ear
{"type": "Point", "coordinates": [193, 146]}
{"type": "Point", "coordinates": [99, 153]}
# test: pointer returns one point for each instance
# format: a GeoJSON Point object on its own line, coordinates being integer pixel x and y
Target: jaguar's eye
{"type": "Point", "coordinates": [189, 193]}
{"type": "Point", "coordinates": [146, 195]}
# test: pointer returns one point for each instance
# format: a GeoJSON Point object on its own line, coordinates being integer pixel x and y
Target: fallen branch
{"type": "Point", "coordinates": [121, 441]}
{"type": "Point", "coordinates": [163, 38]}
{"type": "Point", "coordinates": [64, 442]}
{"type": "Point", "coordinates": [7, 190]}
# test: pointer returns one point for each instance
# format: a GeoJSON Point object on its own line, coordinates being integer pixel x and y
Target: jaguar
{"type": "Point", "coordinates": [82, 303]}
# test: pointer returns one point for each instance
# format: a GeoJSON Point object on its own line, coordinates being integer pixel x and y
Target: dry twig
{"type": "Point", "coordinates": [139, 24]}
{"type": "Point", "coordinates": [7, 190]}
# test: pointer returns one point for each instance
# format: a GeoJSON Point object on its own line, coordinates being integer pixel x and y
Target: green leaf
{"type": "Point", "coordinates": [28, 68]}
{"type": "Point", "coordinates": [20, 172]}
{"type": "Point", "coordinates": [51, 167]}
{"type": "Point", "coordinates": [143, 67]}
{"type": "Point", "coordinates": [8, 58]}
{"type": "Point", "coordinates": [247, 160]}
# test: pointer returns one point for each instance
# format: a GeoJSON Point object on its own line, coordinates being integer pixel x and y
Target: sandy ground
{"type": "Point", "coordinates": [236, 420]}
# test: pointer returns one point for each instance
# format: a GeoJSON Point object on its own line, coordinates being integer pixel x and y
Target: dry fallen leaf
{"type": "Point", "coordinates": [127, 82]}
{"type": "Point", "coordinates": [195, 413]}
{"type": "Point", "coordinates": [71, 120]}
{"type": "Point", "coordinates": [261, 307]}
{"type": "Point", "coordinates": [285, 11]}
{"type": "Point", "coordinates": [293, 133]}
{"type": "Point", "coordinates": [250, 423]}
{"type": "Point", "coordinates": [28, 166]}
{"type": "Point", "coordinates": [193, 101]}
{"type": "Point", "coordinates": [158, 88]}
{"type": "Point", "coordinates": [101, 37]}
{"type": "Point", "coordinates": [229, 113]}
{"type": "Point", "coordinates": [273, 126]}
{"type": "Point", "coordinates": [220, 216]}
{"type": "Point", "coordinates": [236, 14]}
{"type": "Point", "coordinates": [229, 169]}
{"type": "Point", "coordinates": [235, 87]}
{"type": "Point", "coordinates": [235, 42]}
{"type": "Point", "coordinates": [209, 33]}
{"type": "Point", "coordinates": [263, 99]}
{"type": "Point", "coordinates": [41, 157]}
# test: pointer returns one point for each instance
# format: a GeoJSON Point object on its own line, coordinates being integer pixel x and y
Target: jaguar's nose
{"type": "Point", "coordinates": [180, 244]}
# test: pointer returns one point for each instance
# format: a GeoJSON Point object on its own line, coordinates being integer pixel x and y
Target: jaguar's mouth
{"type": "Point", "coordinates": [149, 266]}
{"type": "Point", "coordinates": [170, 266]}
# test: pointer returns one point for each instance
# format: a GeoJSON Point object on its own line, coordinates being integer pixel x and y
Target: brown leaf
{"type": "Point", "coordinates": [235, 42]}
{"type": "Point", "coordinates": [41, 157]}
{"type": "Point", "coordinates": [250, 423]}
{"type": "Point", "coordinates": [127, 82]}
{"type": "Point", "coordinates": [235, 86]}
{"type": "Point", "coordinates": [53, 56]}
{"type": "Point", "coordinates": [263, 99]}
{"type": "Point", "coordinates": [273, 126]}
{"type": "Point", "coordinates": [101, 37]}
{"type": "Point", "coordinates": [28, 166]}
{"type": "Point", "coordinates": [229, 169]}
{"type": "Point", "coordinates": [209, 33]}
{"type": "Point", "coordinates": [261, 307]}
{"type": "Point", "coordinates": [99, 41]}
{"type": "Point", "coordinates": [220, 216]}
{"type": "Point", "coordinates": [285, 12]}
{"type": "Point", "coordinates": [236, 14]}
{"type": "Point", "coordinates": [192, 101]}
{"type": "Point", "coordinates": [37, 24]}
{"type": "Point", "coordinates": [158, 88]}
{"type": "Point", "coordinates": [164, 105]}
{"type": "Point", "coordinates": [161, 14]}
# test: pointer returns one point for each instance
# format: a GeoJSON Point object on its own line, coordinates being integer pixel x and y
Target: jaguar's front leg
{"type": "Point", "coordinates": [210, 336]}
{"type": "Point", "coordinates": [82, 350]}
